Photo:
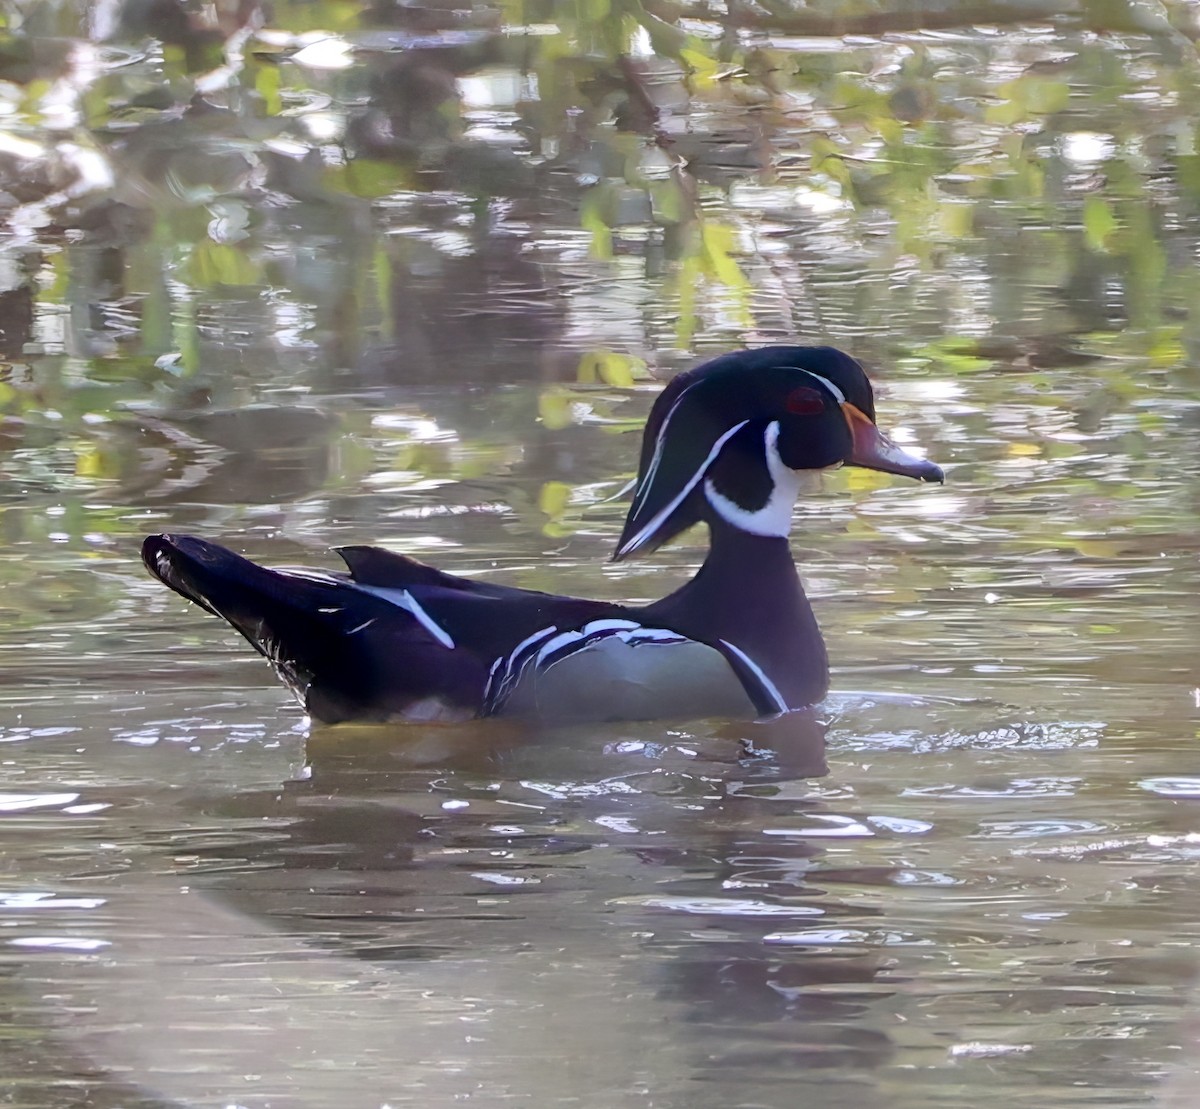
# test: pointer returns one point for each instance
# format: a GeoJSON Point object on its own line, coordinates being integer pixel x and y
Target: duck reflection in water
{"type": "Point", "coordinates": [550, 844]}
{"type": "Point", "coordinates": [486, 933]}
{"type": "Point", "coordinates": [793, 742]}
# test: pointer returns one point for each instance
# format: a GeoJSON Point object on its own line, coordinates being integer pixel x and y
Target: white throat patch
{"type": "Point", "coordinates": [775, 517]}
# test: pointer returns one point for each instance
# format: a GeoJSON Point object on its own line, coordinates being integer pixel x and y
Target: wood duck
{"type": "Point", "coordinates": [726, 444]}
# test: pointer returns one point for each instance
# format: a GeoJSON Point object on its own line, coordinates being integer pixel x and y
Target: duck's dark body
{"type": "Point", "coordinates": [348, 650]}
{"type": "Point", "coordinates": [393, 638]}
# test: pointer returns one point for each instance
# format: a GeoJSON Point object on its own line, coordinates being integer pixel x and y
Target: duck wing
{"type": "Point", "coordinates": [391, 639]}
{"type": "Point", "coordinates": [346, 652]}
{"type": "Point", "coordinates": [376, 566]}
{"type": "Point", "coordinates": [395, 639]}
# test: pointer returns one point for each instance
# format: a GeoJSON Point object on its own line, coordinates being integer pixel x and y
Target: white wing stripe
{"type": "Point", "coordinates": [402, 598]}
{"type": "Point", "coordinates": [428, 623]}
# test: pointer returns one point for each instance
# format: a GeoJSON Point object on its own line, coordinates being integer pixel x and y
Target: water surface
{"type": "Point", "coordinates": [989, 898]}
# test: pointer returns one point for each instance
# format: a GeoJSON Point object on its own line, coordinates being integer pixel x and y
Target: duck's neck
{"type": "Point", "coordinates": [748, 597]}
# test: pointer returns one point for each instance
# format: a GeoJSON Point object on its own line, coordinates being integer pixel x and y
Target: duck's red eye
{"type": "Point", "coordinates": [805, 402]}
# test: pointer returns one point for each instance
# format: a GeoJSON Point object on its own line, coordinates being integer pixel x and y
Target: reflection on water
{"type": "Point", "coordinates": [325, 275]}
{"type": "Point", "coordinates": [651, 909]}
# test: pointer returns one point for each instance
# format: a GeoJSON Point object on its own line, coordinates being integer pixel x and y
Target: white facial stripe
{"type": "Point", "coordinates": [775, 517]}
{"type": "Point", "coordinates": [402, 598]}
{"type": "Point", "coordinates": [665, 514]}
{"type": "Point", "coordinates": [647, 481]}
{"type": "Point", "coordinates": [756, 670]}
{"type": "Point", "coordinates": [656, 458]}
{"type": "Point", "coordinates": [838, 395]}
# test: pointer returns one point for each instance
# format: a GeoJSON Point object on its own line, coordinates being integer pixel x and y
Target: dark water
{"type": "Point", "coordinates": [425, 299]}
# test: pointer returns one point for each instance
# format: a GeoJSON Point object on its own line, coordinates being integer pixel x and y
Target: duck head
{"type": "Point", "coordinates": [732, 437]}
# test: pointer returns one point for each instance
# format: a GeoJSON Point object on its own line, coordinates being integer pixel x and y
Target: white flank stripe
{"type": "Point", "coordinates": [665, 514]}
{"type": "Point", "coordinates": [653, 635]}
{"type": "Point", "coordinates": [755, 669]}
{"type": "Point", "coordinates": [529, 640]}
{"type": "Point", "coordinates": [611, 625]}
{"type": "Point", "coordinates": [402, 598]}
{"type": "Point", "coordinates": [510, 676]}
{"type": "Point", "coordinates": [628, 633]}
{"type": "Point", "coordinates": [491, 681]}
{"type": "Point", "coordinates": [560, 640]}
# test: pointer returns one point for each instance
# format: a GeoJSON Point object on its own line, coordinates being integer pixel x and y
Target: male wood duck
{"type": "Point", "coordinates": [726, 443]}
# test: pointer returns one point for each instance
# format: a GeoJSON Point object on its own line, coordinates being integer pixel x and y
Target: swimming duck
{"type": "Point", "coordinates": [726, 444]}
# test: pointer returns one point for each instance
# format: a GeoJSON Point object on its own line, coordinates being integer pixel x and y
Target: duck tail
{"type": "Point", "coordinates": [323, 635]}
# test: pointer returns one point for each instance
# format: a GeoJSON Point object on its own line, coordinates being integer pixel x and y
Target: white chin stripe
{"type": "Point", "coordinates": [775, 517]}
